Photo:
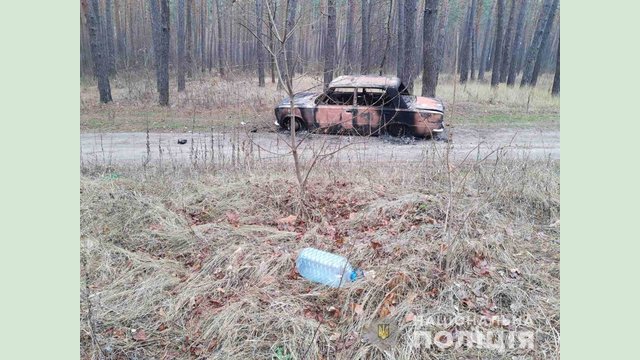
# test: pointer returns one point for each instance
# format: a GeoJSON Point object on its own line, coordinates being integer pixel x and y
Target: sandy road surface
{"type": "Point", "coordinates": [469, 141]}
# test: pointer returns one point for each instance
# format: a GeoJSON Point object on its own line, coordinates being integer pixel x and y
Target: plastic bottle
{"type": "Point", "coordinates": [325, 268]}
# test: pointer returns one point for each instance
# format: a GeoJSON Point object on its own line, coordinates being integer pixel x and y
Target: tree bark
{"type": "Point", "coordinates": [517, 44]}
{"type": "Point", "coordinates": [120, 35]}
{"type": "Point", "coordinates": [507, 52]}
{"type": "Point", "coordinates": [259, 44]}
{"type": "Point", "coordinates": [534, 49]}
{"type": "Point", "coordinates": [96, 43]}
{"type": "Point", "coordinates": [442, 30]}
{"type": "Point", "coordinates": [366, 40]}
{"type": "Point", "coordinates": [486, 49]}
{"type": "Point", "coordinates": [189, 39]}
{"type": "Point", "coordinates": [349, 36]}
{"type": "Point", "coordinates": [387, 41]}
{"type": "Point", "coordinates": [409, 43]}
{"type": "Point", "coordinates": [497, 57]}
{"type": "Point", "coordinates": [203, 34]}
{"type": "Point", "coordinates": [400, 60]}
{"type": "Point", "coordinates": [429, 50]}
{"type": "Point", "coordinates": [180, 36]}
{"type": "Point", "coordinates": [555, 89]}
{"type": "Point", "coordinates": [220, 40]}
{"type": "Point", "coordinates": [543, 44]}
{"type": "Point", "coordinates": [160, 27]}
{"type": "Point", "coordinates": [109, 38]}
{"type": "Point", "coordinates": [330, 43]}
{"type": "Point", "coordinates": [465, 49]}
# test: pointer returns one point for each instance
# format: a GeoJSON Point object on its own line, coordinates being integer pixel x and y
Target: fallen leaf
{"type": "Point", "coordinates": [409, 317]}
{"type": "Point", "coordinates": [358, 309]}
{"type": "Point", "coordinates": [375, 245]}
{"type": "Point", "coordinates": [384, 311]}
{"type": "Point", "coordinates": [233, 218]}
{"type": "Point", "coordinates": [289, 220]}
{"type": "Point", "coordinates": [335, 336]}
{"type": "Point", "coordinates": [139, 335]}
{"type": "Point", "coordinates": [162, 327]}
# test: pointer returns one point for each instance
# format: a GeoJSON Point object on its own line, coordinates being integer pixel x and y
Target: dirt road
{"type": "Point", "coordinates": [468, 142]}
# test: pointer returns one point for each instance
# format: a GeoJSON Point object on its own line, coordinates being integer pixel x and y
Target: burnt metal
{"type": "Point", "coordinates": [364, 105]}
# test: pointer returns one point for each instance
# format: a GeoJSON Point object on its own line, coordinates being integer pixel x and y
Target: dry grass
{"type": "Point", "coordinates": [195, 262]}
{"type": "Point", "coordinates": [211, 101]}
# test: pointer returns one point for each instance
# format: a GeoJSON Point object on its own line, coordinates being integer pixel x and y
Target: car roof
{"type": "Point", "coordinates": [366, 81]}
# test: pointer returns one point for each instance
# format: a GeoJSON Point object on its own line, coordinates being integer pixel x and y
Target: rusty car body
{"type": "Point", "coordinates": [363, 105]}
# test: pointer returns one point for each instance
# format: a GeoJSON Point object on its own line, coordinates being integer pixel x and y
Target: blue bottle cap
{"type": "Point", "coordinates": [354, 275]}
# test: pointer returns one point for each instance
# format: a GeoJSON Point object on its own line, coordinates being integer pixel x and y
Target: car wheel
{"type": "Point", "coordinates": [441, 136]}
{"type": "Point", "coordinates": [287, 124]}
{"type": "Point", "coordinates": [398, 130]}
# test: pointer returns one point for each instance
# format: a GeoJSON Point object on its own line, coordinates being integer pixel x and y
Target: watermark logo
{"type": "Point", "coordinates": [383, 331]}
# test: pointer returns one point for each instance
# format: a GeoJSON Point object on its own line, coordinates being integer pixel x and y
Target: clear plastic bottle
{"type": "Point", "coordinates": [325, 268]}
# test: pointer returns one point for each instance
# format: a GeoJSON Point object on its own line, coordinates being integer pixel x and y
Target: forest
{"type": "Point", "coordinates": [509, 42]}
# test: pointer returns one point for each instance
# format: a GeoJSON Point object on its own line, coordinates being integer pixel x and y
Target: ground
{"type": "Point", "coordinates": [188, 250]}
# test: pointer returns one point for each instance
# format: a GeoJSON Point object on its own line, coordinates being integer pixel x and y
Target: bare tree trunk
{"type": "Point", "coordinates": [180, 36]}
{"type": "Point", "coordinates": [536, 43]}
{"type": "Point", "coordinates": [442, 30]}
{"type": "Point", "coordinates": [109, 38]}
{"type": "Point", "coordinates": [120, 35]}
{"type": "Point", "coordinates": [387, 38]}
{"type": "Point", "coordinates": [220, 40]}
{"type": "Point", "coordinates": [330, 43]}
{"type": "Point", "coordinates": [409, 42]}
{"type": "Point", "coordinates": [429, 50]}
{"type": "Point", "coordinates": [517, 44]}
{"type": "Point", "coordinates": [189, 31]}
{"type": "Point", "coordinates": [486, 48]}
{"type": "Point", "coordinates": [349, 36]}
{"type": "Point", "coordinates": [160, 27]}
{"type": "Point", "coordinates": [497, 50]}
{"type": "Point", "coordinates": [203, 52]}
{"type": "Point", "coordinates": [259, 47]}
{"type": "Point", "coordinates": [96, 42]}
{"type": "Point", "coordinates": [543, 44]}
{"type": "Point", "coordinates": [507, 49]}
{"type": "Point", "coordinates": [400, 60]}
{"type": "Point", "coordinates": [555, 89]}
{"type": "Point", "coordinates": [290, 57]}
{"type": "Point", "coordinates": [273, 58]}
{"type": "Point", "coordinates": [366, 39]}
{"type": "Point", "coordinates": [465, 49]}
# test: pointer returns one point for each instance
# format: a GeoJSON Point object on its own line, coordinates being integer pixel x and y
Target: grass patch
{"type": "Point", "coordinates": [188, 262]}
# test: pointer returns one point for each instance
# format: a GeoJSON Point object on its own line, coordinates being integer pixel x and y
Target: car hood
{"type": "Point", "coordinates": [302, 99]}
{"type": "Point", "coordinates": [423, 103]}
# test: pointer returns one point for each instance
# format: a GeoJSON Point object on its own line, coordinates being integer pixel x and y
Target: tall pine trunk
{"type": "Point", "coordinates": [259, 44]}
{"type": "Point", "coordinates": [160, 33]}
{"type": "Point", "coordinates": [486, 48]}
{"type": "Point", "coordinates": [497, 48]}
{"type": "Point", "coordinates": [429, 50]}
{"type": "Point", "coordinates": [96, 43]}
{"type": "Point", "coordinates": [536, 43]}
{"type": "Point", "coordinates": [366, 40]}
{"type": "Point", "coordinates": [555, 89]}
{"type": "Point", "coordinates": [349, 57]}
{"type": "Point", "coordinates": [180, 35]}
{"type": "Point", "coordinates": [220, 40]}
{"type": "Point", "coordinates": [189, 39]}
{"type": "Point", "coordinates": [109, 37]}
{"type": "Point", "coordinates": [465, 49]}
{"type": "Point", "coordinates": [517, 44]}
{"type": "Point", "coordinates": [330, 43]}
{"type": "Point", "coordinates": [400, 59]}
{"type": "Point", "coordinates": [409, 43]}
{"type": "Point", "coordinates": [507, 52]}
{"type": "Point", "coordinates": [543, 45]}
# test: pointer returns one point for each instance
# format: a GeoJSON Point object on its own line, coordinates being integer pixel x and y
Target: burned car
{"type": "Point", "coordinates": [364, 105]}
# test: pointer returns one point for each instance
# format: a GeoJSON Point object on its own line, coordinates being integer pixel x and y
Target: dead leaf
{"type": "Point", "coordinates": [384, 311]}
{"type": "Point", "coordinates": [233, 218]}
{"type": "Point", "coordinates": [139, 335]}
{"type": "Point", "coordinates": [335, 336]}
{"type": "Point", "coordinates": [162, 327]}
{"type": "Point", "coordinates": [357, 309]}
{"type": "Point", "coordinates": [375, 245]}
{"type": "Point", "coordinates": [289, 220]}
{"type": "Point", "coordinates": [409, 317]}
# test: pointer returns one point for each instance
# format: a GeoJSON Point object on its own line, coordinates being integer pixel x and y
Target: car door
{"type": "Point", "coordinates": [368, 114]}
{"type": "Point", "coordinates": [334, 112]}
